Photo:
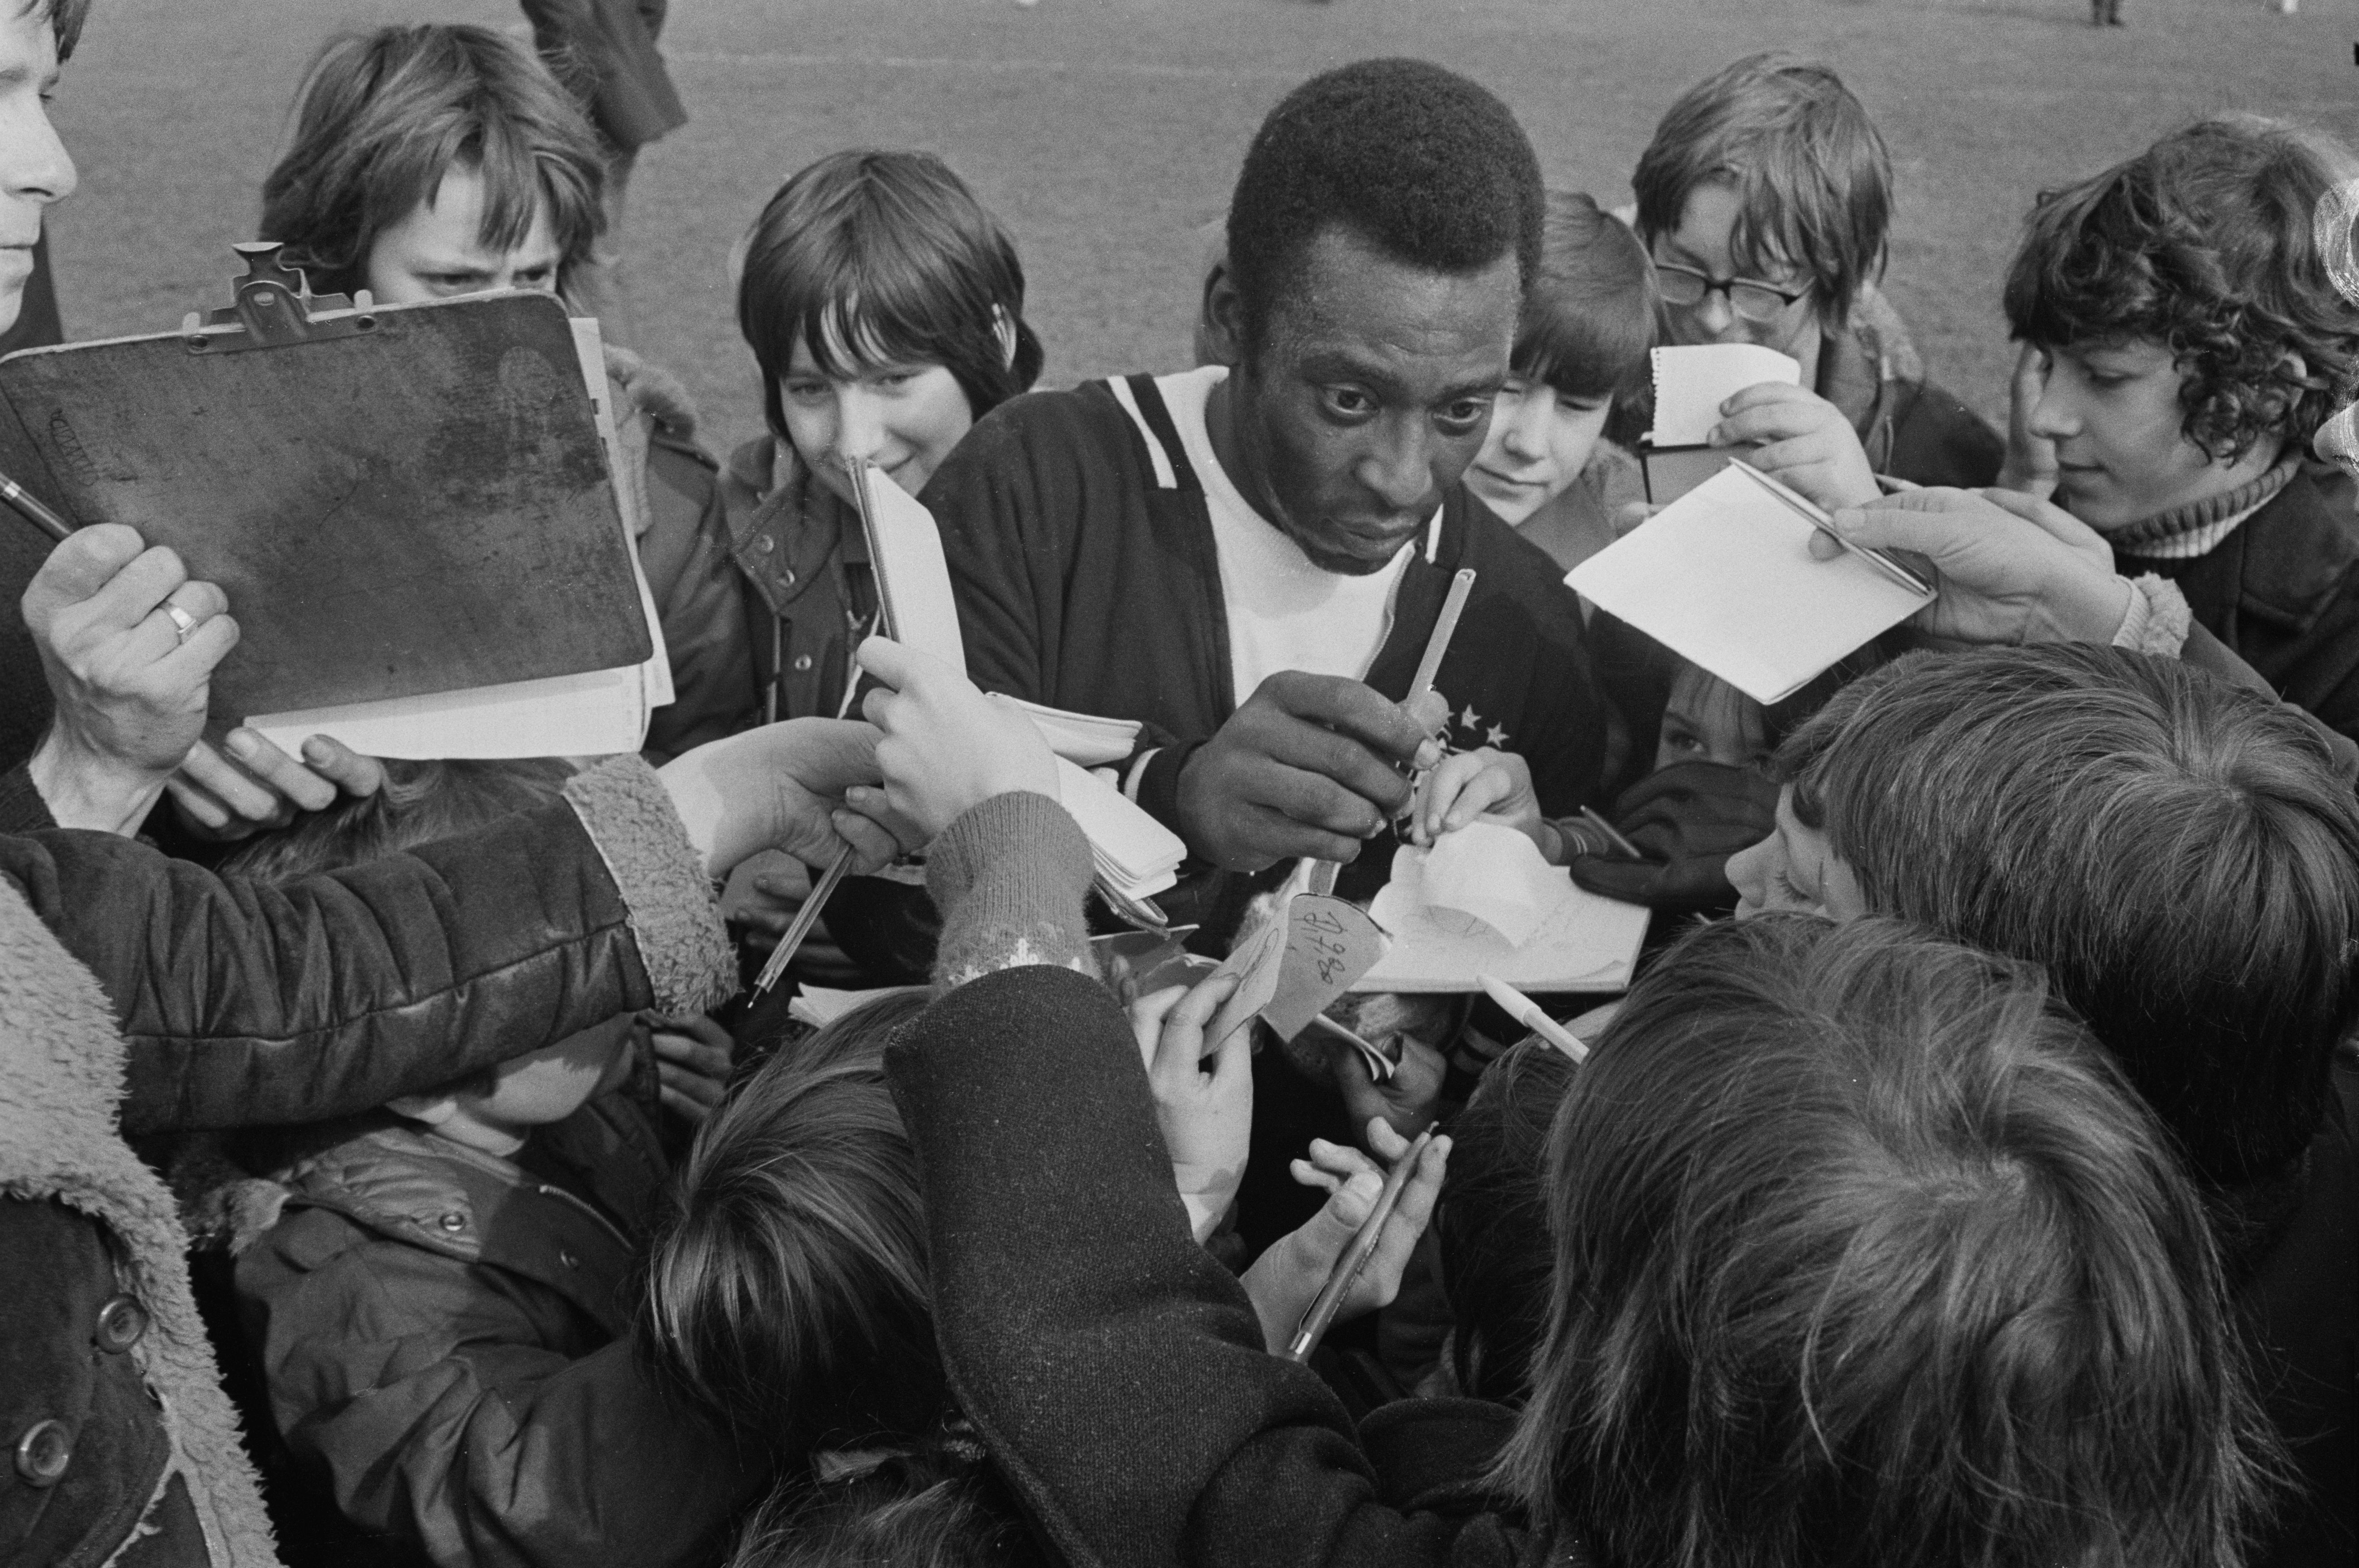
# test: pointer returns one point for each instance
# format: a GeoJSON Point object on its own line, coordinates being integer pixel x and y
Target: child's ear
{"type": "Point", "coordinates": [431, 1109]}
{"type": "Point", "coordinates": [1002, 327]}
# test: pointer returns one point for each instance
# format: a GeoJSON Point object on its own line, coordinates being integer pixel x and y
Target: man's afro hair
{"type": "Point", "coordinates": [1425, 165]}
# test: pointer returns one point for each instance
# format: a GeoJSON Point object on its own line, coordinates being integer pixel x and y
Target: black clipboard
{"type": "Point", "coordinates": [398, 500]}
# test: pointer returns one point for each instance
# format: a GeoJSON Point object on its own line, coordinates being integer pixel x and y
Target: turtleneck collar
{"type": "Point", "coordinates": [2181, 533]}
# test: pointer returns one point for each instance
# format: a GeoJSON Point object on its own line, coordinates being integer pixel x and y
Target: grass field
{"type": "Point", "coordinates": [1104, 131]}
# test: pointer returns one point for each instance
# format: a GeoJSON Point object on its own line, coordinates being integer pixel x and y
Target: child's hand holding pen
{"type": "Point", "coordinates": [1287, 1278]}
{"type": "Point", "coordinates": [1487, 786]}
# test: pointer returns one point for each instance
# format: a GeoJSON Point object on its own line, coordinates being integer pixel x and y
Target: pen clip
{"type": "Point", "coordinates": [1814, 515]}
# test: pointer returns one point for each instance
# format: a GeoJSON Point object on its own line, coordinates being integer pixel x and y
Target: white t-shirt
{"type": "Point", "coordinates": [1285, 611]}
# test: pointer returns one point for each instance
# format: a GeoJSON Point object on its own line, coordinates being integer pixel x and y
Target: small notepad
{"type": "Point", "coordinates": [913, 578]}
{"type": "Point", "coordinates": [1130, 849]}
{"type": "Point", "coordinates": [1086, 738]}
{"type": "Point", "coordinates": [1724, 577]}
{"type": "Point", "coordinates": [1692, 381]}
{"type": "Point", "coordinates": [1582, 942]}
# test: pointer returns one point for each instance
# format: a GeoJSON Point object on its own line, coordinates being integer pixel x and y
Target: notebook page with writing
{"type": "Point", "coordinates": [1724, 577]}
{"type": "Point", "coordinates": [1692, 381]}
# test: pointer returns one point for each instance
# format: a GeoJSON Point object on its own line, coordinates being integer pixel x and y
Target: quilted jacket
{"type": "Point", "coordinates": [443, 1337]}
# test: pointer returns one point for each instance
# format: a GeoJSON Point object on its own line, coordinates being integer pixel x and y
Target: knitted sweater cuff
{"type": "Point", "coordinates": [2157, 619]}
{"type": "Point", "coordinates": [1008, 877]}
{"type": "Point", "coordinates": [691, 967]}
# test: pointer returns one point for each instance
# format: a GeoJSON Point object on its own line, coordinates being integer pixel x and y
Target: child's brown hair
{"type": "Point", "coordinates": [2206, 244]}
{"type": "Point", "coordinates": [383, 116]}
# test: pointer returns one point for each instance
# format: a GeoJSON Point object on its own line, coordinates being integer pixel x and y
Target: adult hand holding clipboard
{"type": "Point", "coordinates": [2006, 568]}
{"type": "Point", "coordinates": [128, 644]}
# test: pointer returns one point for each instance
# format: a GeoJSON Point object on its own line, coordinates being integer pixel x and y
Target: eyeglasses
{"type": "Point", "coordinates": [1751, 300]}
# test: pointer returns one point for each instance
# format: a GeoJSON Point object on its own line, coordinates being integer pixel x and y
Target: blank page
{"type": "Point", "coordinates": [1692, 381]}
{"type": "Point", "coordinates": [1585, 941]}
{"type": "Point", "coordinates": [1724, 577]}
{"type": "Point", "coordinates": [912, 576]}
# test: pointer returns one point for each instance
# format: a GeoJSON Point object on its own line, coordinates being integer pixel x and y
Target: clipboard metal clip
{"type": "Point", "coordinates": [275, 307]}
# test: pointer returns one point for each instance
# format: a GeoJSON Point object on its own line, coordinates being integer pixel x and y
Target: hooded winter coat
{"type": "Point", "coordinates": [444, 1337]}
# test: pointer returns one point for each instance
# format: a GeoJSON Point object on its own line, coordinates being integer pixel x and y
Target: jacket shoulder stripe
{"type": "Point", "coordinates": [1143, 401]}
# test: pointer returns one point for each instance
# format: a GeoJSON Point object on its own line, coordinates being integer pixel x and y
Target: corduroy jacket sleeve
{"type": "Point", "coordinates": [244, 1004]}
{"type": "Point", "coordinates": [1116, 1371]}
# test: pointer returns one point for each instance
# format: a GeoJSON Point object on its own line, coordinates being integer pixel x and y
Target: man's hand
{"type": "Point", "coordinates": [128, 644]}
{"type": "Point", "coordinates": [1806, 442]}
{"type": "Point", "coordinates": [777, 788]}
{"type": "Point", "coordinates": [1306, 767]}
{"type": "Point", "coordinates": [2030, 465]}
{"type": "Point", "coordinates": [944, 749]}
{"type": "Point", "coordinates": [224, 800]}
{"type": "Point", "coordinates": [1286, 1279]}
{"type": "Point", "coordinates": [2007, 568]}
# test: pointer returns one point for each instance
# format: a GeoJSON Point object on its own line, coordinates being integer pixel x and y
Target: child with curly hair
{"type": "Point", "coordinates": [2183, 342]}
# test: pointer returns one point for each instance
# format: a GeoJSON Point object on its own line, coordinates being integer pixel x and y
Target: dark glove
{"type": "Point", "coordinates": [1686, 819]}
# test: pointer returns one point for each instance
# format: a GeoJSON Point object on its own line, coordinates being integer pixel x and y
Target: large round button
{"type": "Point", "coordinates": [120, 1324]}
{"type": "Point", "coordinates": [43, 1452]}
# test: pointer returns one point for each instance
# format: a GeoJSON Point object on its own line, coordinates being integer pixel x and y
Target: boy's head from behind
{"type": "Point", "coordinates": [1766, 177]}
{"type": "Point", "coordinates": [1588, 321]}
{"type": "Point", "coordinates": [2190, 329]}
{"type": "Point", "coordinates": [1864, 1252]}
{"type": "Point", "coordinates": [787, 1292]}
{"type": "Point", "coordinates": [435, 159]}
{"type": "Point", "coordinates": [2175, 851]}
{"type": "Point", "coordinates": [1492, 1213]}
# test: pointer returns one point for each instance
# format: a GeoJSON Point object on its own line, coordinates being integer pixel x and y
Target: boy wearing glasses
{"type": "Point", "coordinates": [1763, 199]}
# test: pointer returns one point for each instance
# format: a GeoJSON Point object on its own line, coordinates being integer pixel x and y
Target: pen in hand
{"type": "Point", "coordinates": [1354, 1261]}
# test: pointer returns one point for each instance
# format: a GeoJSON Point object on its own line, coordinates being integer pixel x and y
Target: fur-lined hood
{"type": "Point", "coordinates": [61, 1077]}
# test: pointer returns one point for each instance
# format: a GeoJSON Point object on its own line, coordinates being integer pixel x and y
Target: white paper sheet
{"type": "Point", "coordinates": [1724, 577]}
{"type": "Point", "coordinates": [1085, 738]}
{"type": "Point", "coordinates": [1496, 874]}
{"type": "Point", "coordinates": [1138, 854]}
{"type": "Point", "coordinates": [818, 1006]}
{"type": "Point", "coordinates": [1584, 942]}
{"type": "Point", "coordinates": [1692, 381]}
{"type": "Point", "coordinates": [912, 576]}
{"type": "Point", "coordinates": [594, 714]}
